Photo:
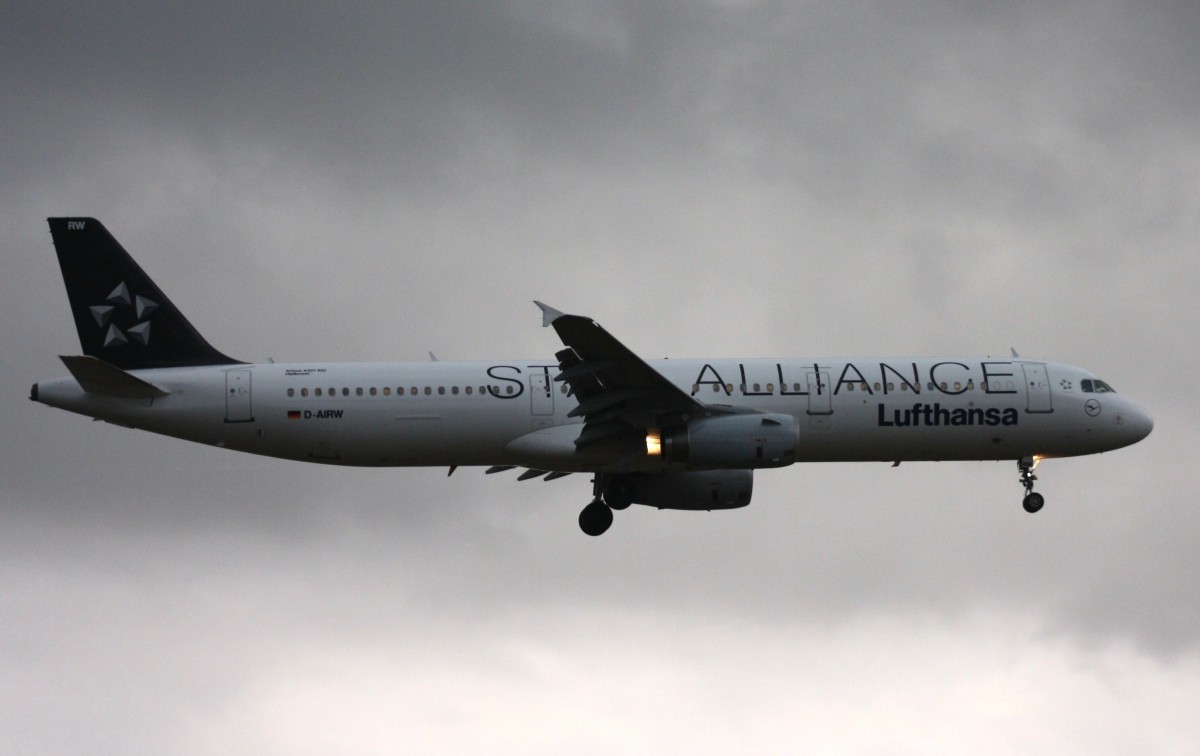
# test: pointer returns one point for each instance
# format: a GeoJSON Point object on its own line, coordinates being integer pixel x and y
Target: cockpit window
{"type": "Point", "coordinates": [1096, 386]}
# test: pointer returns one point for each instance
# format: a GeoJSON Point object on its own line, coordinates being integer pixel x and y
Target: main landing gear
{"type": "Point", "coordinates": [609, 493]}
{"type": "Point", "coordinates": [1033, 501]}
{"type": "Point", "coordinates": [595, 518]}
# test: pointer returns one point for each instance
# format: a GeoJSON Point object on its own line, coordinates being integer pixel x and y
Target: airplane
{"type": "Point", "coordinates": [673, 433]}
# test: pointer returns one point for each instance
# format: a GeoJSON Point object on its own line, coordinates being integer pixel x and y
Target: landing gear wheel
{"type": "Point", "coordinates": [595, 518]}
{"type": "Point", "coordinates": [1033, 502]}
{"type": "Point", "coordinates": [617, 494]}
{"type": "Point", "coordinates": [616, 502]}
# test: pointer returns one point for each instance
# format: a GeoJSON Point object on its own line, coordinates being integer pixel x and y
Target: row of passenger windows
{"type": "Point", "coordinates": [401, 391]}
{"type": "Point", "coordinates": [510, 389]}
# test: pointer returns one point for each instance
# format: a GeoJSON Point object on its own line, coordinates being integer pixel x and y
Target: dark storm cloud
{"type": "Point", "coordinates": [383, 88]}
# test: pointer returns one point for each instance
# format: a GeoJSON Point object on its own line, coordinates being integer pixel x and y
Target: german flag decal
{"type": "Point", "coordinates": [293, 414]}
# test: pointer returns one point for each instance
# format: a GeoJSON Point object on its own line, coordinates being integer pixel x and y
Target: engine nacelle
{"type": "Point", "coordinates": [729, 441]}
{"type": "Point", "coordinates": [703, 489]}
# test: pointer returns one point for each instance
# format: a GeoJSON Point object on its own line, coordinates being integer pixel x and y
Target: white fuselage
{"type": "Point", "coordinates": [514, 413]}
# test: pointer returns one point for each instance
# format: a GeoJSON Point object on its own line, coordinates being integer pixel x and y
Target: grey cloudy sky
{"type": "Point", "coordinates": [372, 182]}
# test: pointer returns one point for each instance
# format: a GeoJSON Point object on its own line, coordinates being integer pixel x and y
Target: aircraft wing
{"type": "Point", "coordinates": [616, 389]}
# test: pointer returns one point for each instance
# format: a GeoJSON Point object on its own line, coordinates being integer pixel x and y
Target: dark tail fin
{"type": "Point", "coordinates": [122, 317]}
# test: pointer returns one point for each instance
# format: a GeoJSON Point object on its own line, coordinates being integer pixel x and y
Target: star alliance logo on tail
{"type": "Point", "coordinates": [119, 297]}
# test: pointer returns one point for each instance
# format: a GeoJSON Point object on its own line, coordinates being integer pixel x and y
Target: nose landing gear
{"type": "Point", "coordinates": [1033, 501]}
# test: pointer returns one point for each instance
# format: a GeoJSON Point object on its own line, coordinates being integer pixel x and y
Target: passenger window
{"type": "Point", "coordinates": [428, 391]}
{"type": "Point", "coordinates": [387, 390]}
{"type": "Point", "coordinates": [371, 391]}
{"type": "Point", "coordinates": [332, 391]}
{"type": "Point", "coordinates": [891, 387]}
{"type": "Point", "coordinates": [454, 390]}
{"type": "Point", "coordinates": [850, 386]}
{"type": "Point", "coordinates": [303, 392]}
{"type": "Point", "coordinates": [756, 387]}
{"type": "Point", "coordinates": [317, 391]}
{"type": "Point", "coordinates": [441, 390]}
{"type": "Point", "coordinates": [468, 390]}
{"type": "Point", "coordinates": [877, 386]}
{"type": "Point", "coordinates": [695, 388]}
{"type": "Point", "coordinates": [861, 386]}
{"type": "Point", "coordinates": [742, 387]}
{"type": "Point", "coordinates": [510, 389]}
{"type": "Point", "coordinates": [728, 388]}
{"type": "Point", "coordinates": [358, 391]}
{"type": "Point", "coordinates": [291, 392]}
{"type": "Point", "coordinates": [345, 391]}
{"type": "Point", "coordinates": [958, 385]}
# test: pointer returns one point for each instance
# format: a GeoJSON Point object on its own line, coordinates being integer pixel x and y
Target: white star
{"type": "Point", "coordinates": [144, 306]}
{"type": "Point", "coordinates": [114, 337]}
{"type": "Point", "coordinates": [119, 295]}
{"type": "Point", "coordinates": [140, 333]}
{"type": "Point", "coordinates": [102, 314]}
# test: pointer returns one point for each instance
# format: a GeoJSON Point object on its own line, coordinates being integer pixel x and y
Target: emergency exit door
{"type": "Point", "coordinates": [1037, 388]}
{"type": "Point", "coordinates": [541, 394]}
{"type": "Point", "coordinates": [237, 397]}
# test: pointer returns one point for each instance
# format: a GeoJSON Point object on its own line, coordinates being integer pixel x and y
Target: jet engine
{"type": "Point", "coordinates": [703, 489]}
{"type": "Point", "coordinates": [729, 441]}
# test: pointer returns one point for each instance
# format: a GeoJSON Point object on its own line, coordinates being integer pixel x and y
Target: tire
{"type": "Point", "coordinates": [1033, 502]}
{"type": "Point", "coordinates": [595, 518]}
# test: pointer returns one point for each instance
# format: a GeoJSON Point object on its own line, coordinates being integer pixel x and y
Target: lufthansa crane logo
{"type": "Point", "coordinates": [119, 299]}
{"type": "Point", "coordinates": [1092, 407]}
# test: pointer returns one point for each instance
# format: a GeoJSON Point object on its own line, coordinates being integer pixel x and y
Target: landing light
{"type": "Point", "coordinates": [653, 442]}
{"type": "Point", "coordinates": [1037, 458]}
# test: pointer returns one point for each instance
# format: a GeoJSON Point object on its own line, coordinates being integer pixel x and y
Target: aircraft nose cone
{"type": "Point", "coordinates": [1139, 424]}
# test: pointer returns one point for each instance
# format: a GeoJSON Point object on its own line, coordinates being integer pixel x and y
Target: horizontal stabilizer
{"type": "Point", "coordinates": [98, 377]}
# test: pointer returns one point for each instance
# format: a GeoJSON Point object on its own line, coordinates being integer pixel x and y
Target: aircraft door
{"type": "Point", "coordinates": [820, 393]}
{"type": "Point", "coordinates": [237, 397]}
{"type": "Point", "coordinates": [1037, 388]}
{"type": "Point", "coordinates": [541, 394]}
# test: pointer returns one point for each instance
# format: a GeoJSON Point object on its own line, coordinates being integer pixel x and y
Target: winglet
{"type": "Point", "coordinates": [549, 314]}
